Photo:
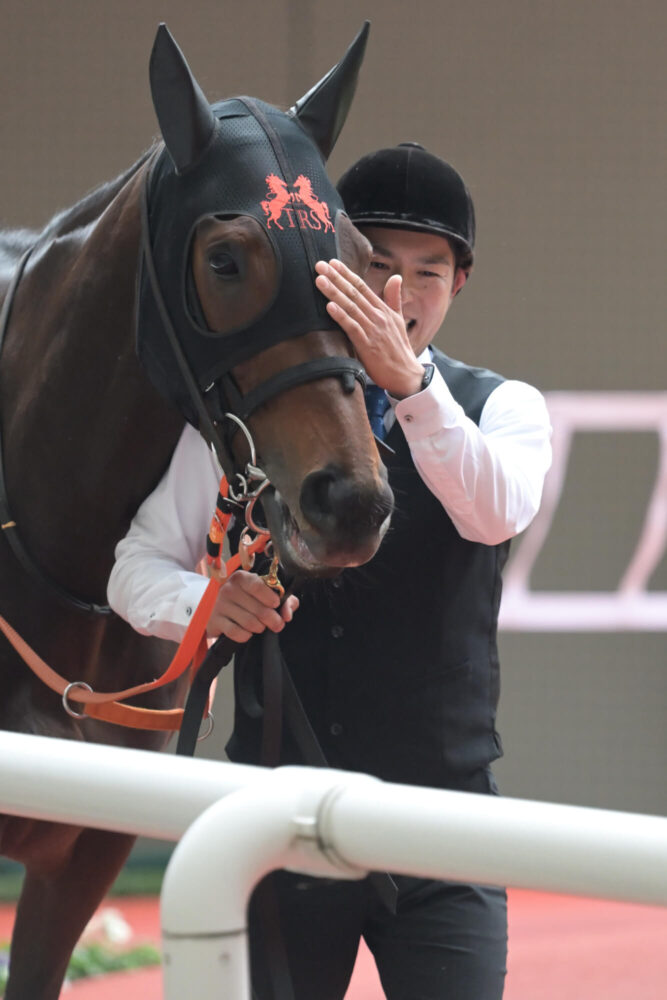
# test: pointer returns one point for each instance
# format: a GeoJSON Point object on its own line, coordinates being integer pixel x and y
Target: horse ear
{"type": "Point", "coordinates": [185, 116]}
{"type": "Point", "coordinates": [323, 110]}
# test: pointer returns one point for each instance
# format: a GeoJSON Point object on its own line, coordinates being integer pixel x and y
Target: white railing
{"type": "Point", "coordinates": [236, 823]}
{"type": "Point", "coordinates": [630, 605]}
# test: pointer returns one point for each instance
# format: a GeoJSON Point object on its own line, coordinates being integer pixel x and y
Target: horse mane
{"type": "Point", "coordinates": [14, 242]}
{"type": "Point", "coordinates": [94, 203]}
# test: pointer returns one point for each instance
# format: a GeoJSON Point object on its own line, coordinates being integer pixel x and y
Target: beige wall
{"type": "Point", "coordinates": [554, 113]}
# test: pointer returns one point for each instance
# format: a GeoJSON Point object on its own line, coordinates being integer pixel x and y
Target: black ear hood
{"type": "Point", "coordinates": [236, 157]}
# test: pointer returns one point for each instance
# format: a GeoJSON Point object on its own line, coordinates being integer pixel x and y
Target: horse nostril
{"type": "Point", "coordinates": [335, 504]}
{"type": "Point", "coordinates": [317, 500]}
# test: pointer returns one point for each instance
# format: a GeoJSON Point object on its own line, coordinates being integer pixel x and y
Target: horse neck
{"type": "Point", "coordinates": [86, 436]}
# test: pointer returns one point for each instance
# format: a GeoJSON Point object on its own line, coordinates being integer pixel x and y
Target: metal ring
{"type": "Point", "coordinates": [248, 436]}
{"type": "Point", "coordinates": [239, 497]}
{"type": "Point", "coordinates": [256, 475]}
{"type": "Point", "coordinates": [252, 471]}
{"type": "Point", "coordinates": [70, 711]}
{"type": "Point", "coordinates": [249, 520]}
{"type": "Point", "coordinates": [211, 723]}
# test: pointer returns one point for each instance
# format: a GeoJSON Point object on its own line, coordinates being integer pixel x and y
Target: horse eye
{"type": "Point", "coordinates": [223, 264]}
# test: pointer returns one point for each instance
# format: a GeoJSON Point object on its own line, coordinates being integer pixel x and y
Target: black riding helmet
{"type": "Point", "coordinates": [406, 187]}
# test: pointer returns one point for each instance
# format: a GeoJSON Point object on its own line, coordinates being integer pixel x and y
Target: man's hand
{"type": "Point", "coordinates": [374, 325]}
{"type": "Point", "coordinates": [246, 606]}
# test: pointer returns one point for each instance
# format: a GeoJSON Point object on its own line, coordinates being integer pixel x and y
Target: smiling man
{"type": "Point", "coordinates": [418, 276]}
{"type": "Point", "coordinates": [398, 659]}
{"type": "Point", "coordinates": [395, 661]}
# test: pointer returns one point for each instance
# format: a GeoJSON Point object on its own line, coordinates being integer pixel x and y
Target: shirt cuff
{"type": "Point", "coordinates": [429, 411]}
{"type": "Point", "coordinates": [170, 617]}
{"type": "Point", "coordinates": [188, 599]}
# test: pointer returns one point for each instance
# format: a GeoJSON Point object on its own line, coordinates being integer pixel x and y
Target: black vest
{"type": "Point", "coordinates": [396, 661]}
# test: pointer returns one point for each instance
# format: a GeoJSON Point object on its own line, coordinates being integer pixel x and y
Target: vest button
{"type": "Point", "coordinates": [335, 729]}
{"type": "Point", "coordinates": [337, 631]}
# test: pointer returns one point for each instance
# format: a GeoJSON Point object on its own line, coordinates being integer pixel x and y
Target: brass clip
{"type": "Point", "coordinates": [271, 578]}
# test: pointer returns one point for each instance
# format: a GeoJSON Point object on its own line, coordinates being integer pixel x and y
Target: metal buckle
{"type": "Point", "coordinates": [66, 706]}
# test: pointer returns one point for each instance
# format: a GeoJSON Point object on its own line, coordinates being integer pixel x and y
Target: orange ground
{"type": "Point", "coordinates": [561, 948]}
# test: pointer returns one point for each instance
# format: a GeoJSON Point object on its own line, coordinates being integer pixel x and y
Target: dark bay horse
{"type": "Point", "coordinates": [174, 257]}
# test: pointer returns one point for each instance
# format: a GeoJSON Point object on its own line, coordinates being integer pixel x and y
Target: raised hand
{"type": "Point", "coordinates": [374, 324]}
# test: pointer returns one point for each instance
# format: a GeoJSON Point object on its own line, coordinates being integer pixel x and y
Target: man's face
{"type": "Point", "coordinates": [427, 266]}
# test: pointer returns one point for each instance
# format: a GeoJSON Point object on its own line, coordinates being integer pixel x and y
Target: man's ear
{"type": "Point", "coordinates": [460, 278]}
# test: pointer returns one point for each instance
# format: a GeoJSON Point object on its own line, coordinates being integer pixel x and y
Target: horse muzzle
{"type": "Point", "coordinates": [341, 522]}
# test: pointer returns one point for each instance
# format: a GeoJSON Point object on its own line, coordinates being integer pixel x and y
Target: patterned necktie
{"type": "Point", "coordinates": [376, 407]}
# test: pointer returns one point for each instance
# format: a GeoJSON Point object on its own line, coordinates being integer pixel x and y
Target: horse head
{"type": "Point", "coordinates": [237, 210]}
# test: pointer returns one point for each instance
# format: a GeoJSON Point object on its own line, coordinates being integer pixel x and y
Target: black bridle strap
{"type": "Point", "coordinates": [347, 369]}
{"type": "Point", "coordinates": [11, 292]}
{"type": "Point", "coordinates": [206, 425]}
{"type": "Point", "coordinates": [9, 527]}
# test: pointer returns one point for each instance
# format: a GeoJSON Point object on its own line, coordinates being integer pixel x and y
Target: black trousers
{"type": "Point", "coordinates": [446, 941]}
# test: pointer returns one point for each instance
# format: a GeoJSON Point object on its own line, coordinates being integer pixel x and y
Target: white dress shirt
{"type": "Point", "coordinates": [489, 480]}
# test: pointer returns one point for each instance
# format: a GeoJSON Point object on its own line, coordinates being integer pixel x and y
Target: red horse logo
{"type": "Point", "coordinates": [299, 203]}
{"type": "Point", "coordinates": [276, 200]}
{"type": "Point", "coordinates": [303, 192]}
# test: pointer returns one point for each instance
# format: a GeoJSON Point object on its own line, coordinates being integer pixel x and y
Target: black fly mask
{"type": "Point", "coordinates": [239, 157]}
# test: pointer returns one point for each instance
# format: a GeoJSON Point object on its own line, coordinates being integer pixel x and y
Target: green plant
{"type": "Point", "coordinates": [94, 960]}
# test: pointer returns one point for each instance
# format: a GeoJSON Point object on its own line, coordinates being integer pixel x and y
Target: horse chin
{"type": "Point", "coordinates": [297, 556]}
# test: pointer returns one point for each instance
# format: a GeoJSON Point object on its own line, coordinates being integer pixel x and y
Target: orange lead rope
{"type": "Point", "coordinates": [191, 652]}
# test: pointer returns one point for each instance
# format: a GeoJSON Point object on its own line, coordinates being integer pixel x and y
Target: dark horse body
{"type": "Point", "coordinates": [86, 437]}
